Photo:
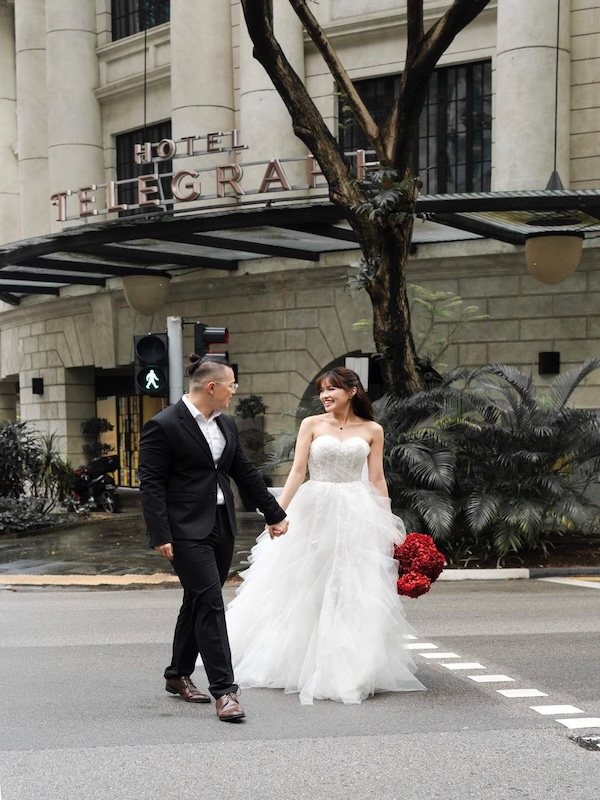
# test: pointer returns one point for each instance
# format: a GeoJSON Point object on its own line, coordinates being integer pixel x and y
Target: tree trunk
{"type": "Point", "coordinates": [385, 252]}
{"type": "Point", "coordinates": [385, 234]}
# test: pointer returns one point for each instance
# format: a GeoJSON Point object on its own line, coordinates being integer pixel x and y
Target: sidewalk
{"type": "Point", "coordinates": [111, 550]}
{"type": "Point", "coordinates": [106, 550]}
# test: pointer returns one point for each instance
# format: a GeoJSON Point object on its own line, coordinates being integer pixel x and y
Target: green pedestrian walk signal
{"type": "Point", "coordinates": [151, 353]}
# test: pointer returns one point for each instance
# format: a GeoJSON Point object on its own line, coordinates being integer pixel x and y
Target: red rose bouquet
{"type": "Point", "coordinates": [420, 563]}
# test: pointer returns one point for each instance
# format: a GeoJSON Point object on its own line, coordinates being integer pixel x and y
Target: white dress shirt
{"type": "Point", "coordinates": [212, 434]}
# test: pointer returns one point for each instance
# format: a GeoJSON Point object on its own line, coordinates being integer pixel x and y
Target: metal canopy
{"type": "Point", "coordinates": [223, 239]}
{"type": "Point", "coordinates": [512, 216]}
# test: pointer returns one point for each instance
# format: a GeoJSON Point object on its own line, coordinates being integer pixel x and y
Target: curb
{"type": "Point", "coordinates": [87, 580]}
{"type": "Point", "coordinates": [484, 574]}
{"type": "Point", "coordinates": [97, 518]}
{"type": "Point", "coordinates": [563, 572]}
{"type": "Point", "coordinates": [516, 573]}
{"type": "Point", "coordinates": [158, 578]}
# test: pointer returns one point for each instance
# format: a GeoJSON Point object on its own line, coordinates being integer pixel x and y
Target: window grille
{"type": "Point", "coordinates": [453, 145]}
{"type": "Point", "coordinates": [133, 16]}
{"type": "Point", "coordinates": [128, 168]}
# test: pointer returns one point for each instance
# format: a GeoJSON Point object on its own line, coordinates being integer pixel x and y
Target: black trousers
{"type": "Point", "coordinates": [202, 566]}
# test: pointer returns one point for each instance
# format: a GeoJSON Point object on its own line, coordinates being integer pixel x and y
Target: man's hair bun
{"type": "Point", "coordinates": [194, 360]}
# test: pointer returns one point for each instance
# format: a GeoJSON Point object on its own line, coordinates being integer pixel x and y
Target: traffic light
{"type": "Point", "coordinates": [204, 336]}
{"type": "Point", "coordinates": [151, 353]}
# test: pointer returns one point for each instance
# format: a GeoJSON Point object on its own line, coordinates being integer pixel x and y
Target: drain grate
{"type": "Point", "coordinates": [587, 742]}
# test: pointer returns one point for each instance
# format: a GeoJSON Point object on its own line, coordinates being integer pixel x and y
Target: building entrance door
{"type": "Point", "coordinates": [132, 412]}
{"type": "Point", "coordinates": [129, 411]}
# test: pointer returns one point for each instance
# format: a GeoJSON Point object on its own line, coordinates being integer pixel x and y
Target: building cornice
{"type": "Point", "coordinates": [385, 21]}
{"type": "Point", "coordinates": [133, 84]}
{"type": "Point", "coordinates": [131, 49]}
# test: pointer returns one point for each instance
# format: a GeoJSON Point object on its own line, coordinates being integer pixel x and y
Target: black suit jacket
{"type": "Point", "coordinates": [178, 477]}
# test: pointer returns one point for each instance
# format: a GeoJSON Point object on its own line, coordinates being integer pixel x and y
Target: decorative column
{"type": "Point", "coordinates": [265, 122]}
{"type": "Point", "coordinates": [68, 398]}
{"type": "Point", "coordinates": [526, 115]}
{"type": "Point", "coordinates": [74, 120]}
{"type": "Point", "coordinates": [10, 225]}
{"type": "Point", "coordinates": [201, 81]}
{"type": "Point", "coordinates": [34, 187]}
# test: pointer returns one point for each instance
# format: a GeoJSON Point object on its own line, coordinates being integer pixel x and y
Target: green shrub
{"type": "Point", "coordinates": [31, 472]}
{"type": "Point", "coordinates": [26, 514]}
{"type": "Point", "coordinates": [250, 407]}
{"type": "Point", "coordinates": [18, 456]}
{"type": "Point", "coordinates": [490, 464]}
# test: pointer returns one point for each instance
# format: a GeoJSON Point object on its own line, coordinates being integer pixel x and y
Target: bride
{"type": "Point", "coordinates": [318, 612]}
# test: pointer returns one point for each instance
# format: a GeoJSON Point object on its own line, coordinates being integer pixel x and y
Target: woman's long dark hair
{"type": "Point", "coordinates": [343, 378]}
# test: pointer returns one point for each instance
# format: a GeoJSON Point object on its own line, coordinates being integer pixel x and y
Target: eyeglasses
{"type": "Point", "coordinates": [233, 386]}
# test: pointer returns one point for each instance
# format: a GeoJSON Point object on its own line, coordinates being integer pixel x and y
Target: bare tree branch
{"type": "Point", "coordinates": [423, 53]}
{"type": "Point", "coordinates": [441, 35]}
{"type": "Point", "coordinates": [385, 234]}
{"type": "Point", "coordinates": [414, 28]}
{"type": "Point", "coordinates": [308, 123]}
{"type": "Point", "coordinates": [352, 97]}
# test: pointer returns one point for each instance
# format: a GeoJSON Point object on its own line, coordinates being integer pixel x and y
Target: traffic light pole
{"type": "Point", "coordinates": [175, 336]}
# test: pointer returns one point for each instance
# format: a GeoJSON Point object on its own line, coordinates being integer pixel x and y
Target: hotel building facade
{"type": "Point", "coordinates": [140, 136]}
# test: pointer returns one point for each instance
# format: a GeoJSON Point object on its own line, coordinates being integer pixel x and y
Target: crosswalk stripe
{"type": "Point", "coordinates": [581, 722]}
{"type": "Point", "coordinates": [586, 583]}
{"type": "Point", "coordinates": [439, 655]}
{"type": "Point", "coordinates": [556, 710]}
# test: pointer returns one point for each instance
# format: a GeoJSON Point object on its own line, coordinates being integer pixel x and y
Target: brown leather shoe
{"type": "Point", "coordinates": [184, 687]}
{"type": "Point", "coordinates": [228, 708]}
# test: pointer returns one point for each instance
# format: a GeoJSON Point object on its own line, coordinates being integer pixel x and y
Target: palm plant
{"type": "Point", "coordinates": [18, 456]}
{"type": "Point", "coordinates": [490, 464]}
{"type": "Point", "coordinates": [51, 476]}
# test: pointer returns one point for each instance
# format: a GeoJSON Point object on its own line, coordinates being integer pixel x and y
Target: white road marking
{"type": "Point", "coordinates": [439, 655]}
{"type": "Point", "coordinates": [581, 722]}
{"type": "Point", "coordinates": [556, 710]}
{"type": "Point", "coordinates": [589, 584]}
{"type": "Point", "coordinates": [547, 710]}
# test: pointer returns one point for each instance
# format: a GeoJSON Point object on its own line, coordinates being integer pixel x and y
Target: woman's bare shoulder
{"type": "Point", "coordinates": [309, 423]}
{"type": "Point", "coordinates": [374, 429]}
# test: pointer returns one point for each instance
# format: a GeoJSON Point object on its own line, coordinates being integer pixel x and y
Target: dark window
{"type": "Point", "coordinates": [453, 146]}
{"type": "Point", "coordinates": [378, 95]}
{"type": "Point", "coordinates": [128, 168]}
{"type": "Point", "coordinates": [133, 16]}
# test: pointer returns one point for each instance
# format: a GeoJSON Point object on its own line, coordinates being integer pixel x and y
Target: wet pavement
{"type": "Point", "coordinates": [106, 544]}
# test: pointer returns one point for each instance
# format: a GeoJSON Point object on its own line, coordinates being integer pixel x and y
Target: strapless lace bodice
{"type": "Point", "coordinates": [335, 461]}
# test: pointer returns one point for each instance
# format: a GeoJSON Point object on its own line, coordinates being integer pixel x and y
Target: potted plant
{"type": "Point", "coordinates": [92, 430]}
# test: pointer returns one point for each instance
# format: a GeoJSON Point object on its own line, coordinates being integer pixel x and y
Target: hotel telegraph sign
{"type": "Point", "coordinates": [223, 180]}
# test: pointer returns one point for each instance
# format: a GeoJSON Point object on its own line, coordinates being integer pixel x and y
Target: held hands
{"type": "Point", "coordinates": [278, 529]}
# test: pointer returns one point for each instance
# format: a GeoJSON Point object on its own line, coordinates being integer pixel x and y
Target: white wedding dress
{"type": "Point", "coordinates": [318, 612]}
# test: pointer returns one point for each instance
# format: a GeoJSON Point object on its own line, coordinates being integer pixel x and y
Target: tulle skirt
{"type": "Point", "coordinates": [318, 611]}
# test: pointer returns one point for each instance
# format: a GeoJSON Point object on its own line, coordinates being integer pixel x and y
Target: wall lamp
{"type": "Point", "coordinates": [554, 255]}
{"type": "Point", "coordinates": [146, 294]}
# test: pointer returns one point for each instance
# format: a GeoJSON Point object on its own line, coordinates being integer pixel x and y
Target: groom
{"type": "Point", "coordinates": [188, 453]}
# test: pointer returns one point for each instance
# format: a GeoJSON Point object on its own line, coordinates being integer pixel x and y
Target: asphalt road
{"type": "Point", "coordinates": [84, 714]}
